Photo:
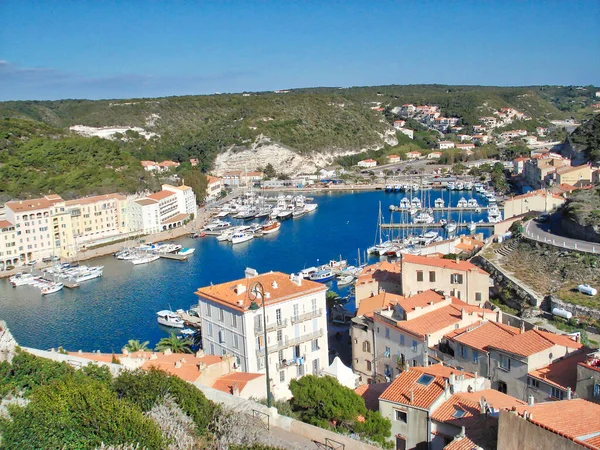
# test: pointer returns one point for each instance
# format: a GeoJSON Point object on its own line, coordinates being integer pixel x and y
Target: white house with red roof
{"type": "Point", "coordinates": [445, 145]}
{"type": "Point", "coordinates": [415, 154]}
{"type": "Point", "coordinates": [393, 159]}
{"type": "Point", "coordinates": [367, 163]}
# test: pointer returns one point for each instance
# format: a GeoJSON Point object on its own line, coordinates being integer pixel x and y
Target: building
{"type": "Point", "coordinates": [460, 279]}
{"type": "Point", "coordinates": [415, 154]}
{"type": "Point", "coordinates": [167, 165]}
{"type": "Point", "coordinates": [367, 163]}
{"type": "Point", "coordinates": [232, 324]}
{"type": "Point", "coordinates": [153, 166]}
{"type": "Point", "coordinates": [480, 138]}
{"type": "Point", "coordinates": [213, 187]}
{"type": "Point", "coordinates": [383, 276]}
{"type": "Point", "coordinates": [445, 145]}
{"type": "Point", "coordinates": [512, 359]}
{"type": "Point", "coordinates": [588, 377]}
{"type": "Point", "coordinates": [434, 155]}
{"type": "Point", "coordinates": [415, 394]}
{"type": "Point", "coordinates": [518, 165]}
{"type": "Point", "coordinates": [541, 200]}
{"type": "Point", "coordinates": [186, 199]}
{"type": "Point", "coordinates": [564, 425]}
{"type": "Point", "coordinates": [574, 176]}
{"type": "Point", "coordinates": [393, 159]}
{"type": "Point", "coordinates": [539, 170]}
{"type": "Point", "coordinates": [236, 178]}
{"type": "Point", "coordinates": [9, 256]}
{"type": "Point", "coordinates": [464, 147]}
{"type": "Point", "coordinates": [464, 137]}
{"type": "Point", "coordinates": [150, 166]}
{"type": "Point", "coordinates": [398, 124]}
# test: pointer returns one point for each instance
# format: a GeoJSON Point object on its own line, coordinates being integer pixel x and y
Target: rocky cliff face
{"type": "Point", "coordinates": [590, 233]}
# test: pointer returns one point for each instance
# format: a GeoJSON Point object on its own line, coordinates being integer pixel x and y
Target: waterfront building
{"type": "Point", "coordinates": [461, 279]}
{"type": "Point", "coordinates": [296, 325]}
{"type": "Point", "coordinates": [186, 199]}
{"type": "Point", "coordinates": [540, 169]}
{"type": "Point", "coordinates": [374, 278]}
{"type": "Point", "coordinates": [541, 200]}
{"type": "Point", "coordinates": [416, 394]}
{"type": "Point", "coordinates": [236, 178]}
{"type": "Point", "coordinates": [9, 255]}
{"type": "Point", "coordinates": [213, 188]}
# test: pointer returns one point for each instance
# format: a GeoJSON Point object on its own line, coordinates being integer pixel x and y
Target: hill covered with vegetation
{"type": "Point", "coordinates": [586, 138]}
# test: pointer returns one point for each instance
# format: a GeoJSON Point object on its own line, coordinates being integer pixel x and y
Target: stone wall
{"type": "Point", "coordinates": [576, 310]}
{"type": "Point", "coordinates": [578, 231]}
{"type": "Point", "coordinates": [523, 297]}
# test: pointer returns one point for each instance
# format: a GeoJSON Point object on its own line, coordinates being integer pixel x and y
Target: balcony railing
{"type": "Point", "coordinates": [307, 316]}
{"type": "Point", "coordinates": [286, 343]}
{"type": "Point", "coordinates": [291, 362]}
{"type": "Point", "coordinates": [271, 326]}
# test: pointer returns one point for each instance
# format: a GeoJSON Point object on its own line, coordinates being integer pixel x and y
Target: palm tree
{"type": "Point", "coordinates": [134, 345]}
{"type": "Point", "coordinates": [174, 344]}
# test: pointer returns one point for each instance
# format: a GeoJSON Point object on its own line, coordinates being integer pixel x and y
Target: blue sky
{"type": "Point", "coordinates": [120, 49]}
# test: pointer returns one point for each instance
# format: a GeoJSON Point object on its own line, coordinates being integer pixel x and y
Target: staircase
{"type": "Point", "coordinates": [507, 248]}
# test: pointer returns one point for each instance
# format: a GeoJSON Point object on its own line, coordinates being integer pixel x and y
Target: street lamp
{"type": "Point", "coordinates": [256, 289]}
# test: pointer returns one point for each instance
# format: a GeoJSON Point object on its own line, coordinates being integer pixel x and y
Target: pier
{"type": "Point", "coordinates": [388, 226]}
{"type": "Point", "coordinates": [453, 209]}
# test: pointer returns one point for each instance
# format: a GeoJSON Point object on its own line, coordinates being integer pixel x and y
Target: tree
{"type": "Point", "coordinates": [269, 171]}
{"type": "Point", "coordinates": [174, 344]}
{"type": "Point", "coordinates": [134, 345]}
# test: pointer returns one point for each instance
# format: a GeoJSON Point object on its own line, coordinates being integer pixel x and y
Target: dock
{"type": "Point", "coordinates": [454, 209]}
{"type": "Point", "coordinates": [174, 256]}
{"type": "Point", "coordinates": [388, 226]}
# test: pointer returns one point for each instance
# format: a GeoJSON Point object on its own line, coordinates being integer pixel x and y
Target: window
{"type": "Point", "coordinates": [462, 351]}
{"type": "Point", "coordinates": [502, 387]}
{"type": "Point", "coordinates": [315, 345]}
{"type": "Point", "coordinates": [208, 310]}
{"type": "Point", "coordinates": [296, 311]}
{"type": "Point", "coordinates": [315, 367]}
{"type": "Point", "coordinates": [282, 376]}
{"type": "Point", "coordinates": [400, 416]}
{"type": "Point", "coordinates": [387, 371]}
{"type": "Point", "coordinates": [221, 337]}
{"type": "Point", "coordinates": [221, 315]}
{"type": "Point", "coordinates": [532, 382]}
{"type": "Point", "coordinates": [387, 352]}
{"type": "Point", "coordinates": [557, 393]}
{"type": "Point", "coordinates": [367, 347]}
{"type": "Point", "coordinates": [504, 362]}
{"type": "Point", "coordinates": [235, 341]}
{"type": "Point", "coordinates": [401, 339]}
{"type": "Point", "coordinates": [414, 346]}
{"type": "Point", "coordinates": [210, 329]}
{"type": "Point", "coordinates": [212, 349]}
{"type": "Point", "coordinates": [432, 277]}
{"type": "Point", "coordinates": [425, 379]}
{"type": "Point", "coordinates": [475, 356]}
{"type": "Point", "coordinates": [300, 370]}
{"type": "Point", "coordinates": [387, 332]}
{"type": "Point", "coordinates": [458, 413]}
{"type": "Point", "coordinates": [477, 296]}
{"type": "Point", "coordinates": [234, 321]}
{"type": "Point", "coordinates": [279, 336]}
{"type": "Point", "coordinates": [259, 342]}
{"type": "Point", "coordinates": [419, 275]}
{"type": "Point", "coordinates": [278, 316]}
{"type": "Point", "coordinates": [456, 278]}
{"type": "Point", "coordinates": [369, 366]}
{"type": "Point", "coordinates": [596, 390]}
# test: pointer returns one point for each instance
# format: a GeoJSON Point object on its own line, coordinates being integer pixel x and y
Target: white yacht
{"type": "Point", "coordinates": [85, 273]}
{"type": "Point", "coordinates": [145, 259]}
{"type": "Point", "coordinates": [472, 203]}
{"type": "Point", "coordinates": [468, 186]}
{"type": "Point", "coordinates": [169, 319]}
{"type": "Point", "coordinates": [21, 279]}
{"type": "Point", "coordinates": [405, 203]}
{"type": "Point", "coordinates": [306, 273]}
{"type": "Point", "coordinates": [459, 186]}
{"type": "Point", "coordinates": [451, 185]}
{"type": "Point", "coordinates": [51, 288]}
{"type": "Point", "coordinates": [217, 225]}
{"type": "Point", "coordinates": [310, 207]}
{"type": "Point", "coordinates": [439, 203]}
{"type": "Point", "coordinates": [239, 237]}
{"type": "Point", "coordinates": [423, 217]}
{"type": "Point", "coordinates": [462, 203]}
{"type": "Point", "coordinates": [451, 227]}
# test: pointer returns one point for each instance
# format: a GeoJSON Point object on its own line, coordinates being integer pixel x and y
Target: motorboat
{"type": "Point", "coordinates": [21, 279]}
{"type": "Point", "coordinates": [472, 203]}
{"type": "Point", "coordinates": [322, 276]}
{"type": "Point", "coordinates": [186, 251]}
{"type": "Point", "coordinates": [468, 186]}
{"type": "Point", "coordinates": [188, 332]}
{"type": "Point", "coordinates": [428, 237]}
{"type": "Point", "coordinates": [169, 319]}
{"type": "Point", "coordinates": [423, 217]}
{"type": "Point", "coordinates": [389, 188]}
{"type": "Point", "coordinates": [225, 235]}
{"type": "Point", "coordinates": [415, 187]}
{"type": "Point", "coordinates": [285, 214]}
{"type": "Point", "coordinates": [451, 227]}
{"type": "Point", "coordinates": [298, 212]}
{"type": "Point", "coordinates": [416, 203]}
{"type": "Point", "coordinates": [439, 203]}
{"type": "Point", "coordinates": [145, 259]}
{"type": "Point", "coordinates": [242, 236]}
{"type": "Point", "coordinates": [307, 272]}
{"type": "Point", "coordinates": [451, 185]}
{"type": "Point", "coordinates": [459, 186]}
{"type": "Point", "coordinates": [217, 225]}
{"type": "Point", "coordinates": [472, 226]}
{"type": "Point", "coordinates": [405, 203]}
{"type": "Point", "coordinates": [462, 203]}
{"type": "Point", "coordinates": [51, 288]}
{"type": "Point", "coordinates": [85, 273]}
{"type": "Point", "coordinates": [345, 280]}
{"type": "Point", "coordinates": [443, 222]}
{"type": "Point", "coordinates": [263, 213]}
{"type": "Point", "coordinates": [310, 207]}
{"type": "Point", "coordinates": [271, 226]}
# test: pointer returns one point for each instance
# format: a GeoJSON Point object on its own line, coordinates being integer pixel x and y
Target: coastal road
{"type": "Point", "coordinates": [551, 233]}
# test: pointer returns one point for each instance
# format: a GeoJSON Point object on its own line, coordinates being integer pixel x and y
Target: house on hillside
{"type": "Point", "coordinates": [366, 163]}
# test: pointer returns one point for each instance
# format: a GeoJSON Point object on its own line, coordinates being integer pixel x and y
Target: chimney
{"type": "Point", "coordinates": [462, 431]}
{"type": "Point", "coordinates": [177, 364]}
{"type": "Point", "coordinates": [522, 326]}
{"type": "Point", "coordinates": [235, 390]}
{"type": "Point", "coordinates": [168, 352]}
{"type": "Point", "coordinates": [482, 405]}
{"type": "Point", "coordinates": [199, 353]}
{"type": "Point", "coordinates": [240, 289]}
{"type": "Point", "coordinates": [250, 273]}
{"type": "Point", "coordinates": [530, 400]}
{"type": "Point", "coordinates": [412, 396]}
{"type": "Point", "coordinates": [274, 284]}
{"type": "Point", "coordinates": [425, 358]}
{"type": "Point", "coordinates": [447, 297]}
{"type": "Point", "coordinates": [452, 379]}
{"type": "Point", "coordinates": [456, 260]}
{"type": "Point", "coordinates": [153, 356]}
{"type": "Point", "coordinates": [569, 393]}
{"type": "Point", "coordinates": [201, 366]}
{"type": "Point", "coordinates": [125, 352]}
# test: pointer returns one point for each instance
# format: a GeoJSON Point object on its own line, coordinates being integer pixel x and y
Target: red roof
{"type": "Point", "coordinates": [371, 393]}
{"type": "Point", "coordinates": [377, 303]}
{"type": "Point", "coordinates": [441, 262]}
{"type": "Point", "coordinates": [561, 373]}
{"type": "Point", "coordinates": [5, 224]}
{"type": "Point", "coordinates": [160, 195]}
{"type": "Point", "coordinates": [483, 334]}
{"type": "Point", "coordinates": [227, 382]}
{"type": "Point", "coordinates": [534, 341]}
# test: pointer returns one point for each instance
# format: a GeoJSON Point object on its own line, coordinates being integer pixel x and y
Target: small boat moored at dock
{"type": "Point", "coordinates": [169, 319]}
{"type": "Point", "coordinates": [51, 288]}
{"type": "Point", "coordinates": [322, 276]}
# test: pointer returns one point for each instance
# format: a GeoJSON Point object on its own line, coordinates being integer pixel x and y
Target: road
{"type": "Point", "coordinates": [551, 233]}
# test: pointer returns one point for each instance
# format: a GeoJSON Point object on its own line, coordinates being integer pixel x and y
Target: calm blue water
{"type": "Point", "coordinates": [104, 313]}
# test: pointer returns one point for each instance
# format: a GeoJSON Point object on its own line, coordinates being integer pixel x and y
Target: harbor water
{"type": "Point", "coordinates": [102, 314]}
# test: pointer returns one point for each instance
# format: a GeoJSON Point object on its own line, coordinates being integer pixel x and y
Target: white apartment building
{"type": "Point", "coordinates": [213, 188]}
{"type": "Point", "coordinates": [8, 245]}
{"type": "Point", "coordinates": [445, 145]}
{"type": "Point", "coordinates": [143, 215]}
{"type": "Point", "coordinates": [296, 325]}
{"type": "Point", "coordinates": [186, 199]}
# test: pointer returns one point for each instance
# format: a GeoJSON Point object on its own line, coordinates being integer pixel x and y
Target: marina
{"type": "Point", "coordinates": [103, 313]}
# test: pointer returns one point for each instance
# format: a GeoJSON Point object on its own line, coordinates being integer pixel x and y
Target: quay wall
{"type": "Point", "coordinates": [576, 310]}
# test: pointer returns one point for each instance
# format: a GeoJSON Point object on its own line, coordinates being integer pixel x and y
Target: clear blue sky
{"type": "Point", "coordinates": [118, 49]}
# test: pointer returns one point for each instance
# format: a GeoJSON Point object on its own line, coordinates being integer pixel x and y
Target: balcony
{"type": "Point", "coordinates": [271, 326]}
{"type": "Point", "coordinates": [291, 362]}
{"type": "Point", "coordinates": [286, 343]}
{"type": "Point", "coordinates": [307, 316]}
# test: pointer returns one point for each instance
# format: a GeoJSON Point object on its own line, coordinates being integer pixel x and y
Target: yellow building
{"type": "Point", "coordinates": [539, 201]}
{"type": "Point", "coordinates": [573, 175]}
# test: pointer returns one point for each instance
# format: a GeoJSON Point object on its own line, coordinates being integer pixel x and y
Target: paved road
{"type": "Point", "coordinates": [551, 233]}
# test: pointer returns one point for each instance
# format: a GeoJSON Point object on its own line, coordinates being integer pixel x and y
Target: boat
{"type": "Point", "coordinates": [285, 214]}
{"type": "Point", "coordinates": [468, 186]}
{"type": "Point", "coordinates": [451, 227]}
{"type": "Point", "coordinates": [85, 273]}
{"type": "Point", "coordinates": [239, 237]}
{"type": "Point", "coordinates": [225, 235]}
{"type": "Point", "coordinates": [423, 217]}
{"type": "Point", "coordinates": [21, 279]}
{"type": "Point", "coordinates": [472, 226]}
{"type": "Point", "coordinates": [51, 288]}
{"type": "Point", "coordinates": [462, 203]}
{"type": "Point", "coordinates": [169, 319]}
{"type": "Point", "coordinates": [144, 259]}
{"type": "Point", "coordinates": [298, 212]}
{"type": "Point", "coordinates": [310, 207]}
{"type": "Point", "coordinates": [389, 188]}
{"type": "Point", "coordinates": [271, 226]}
{"type": "Point", "coordinates": [415, 187]}
{"type": "Point", "coordinates": [307, 272]}
{"type": "Point", "coordinates": [186, 251]}
{"type": "Point", "coordinates": [322, 275]}
{"type": "Point", "coordinates": [472, 203]}
{"type": "Point", "coordinates": [428, 237]}
{"type": "Point", "coordinates": [405, 203]}
{"type": "Point", "coordinates": [459, 186]}
{"type": "Point", "coordinates": [451, 186]}
{"type": "Point", "coordinates": [188, 332]}
{"type": "Point", "coordinates": [263, 213]}
{"type": "Point", "coordinates": [439, 203]}
{"type": "Point", "coordinates": [217, 225]}
{"type": "Point", "coordinates": [345, 280]}
{"type": "Point", "coordinates": [443, 222]}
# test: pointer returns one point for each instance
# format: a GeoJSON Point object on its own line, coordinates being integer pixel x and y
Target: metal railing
{"type": "Point", "coordinates": [286, 343]}
{"type": "Point", "coordinates": [288, 363]}
{"type": "Point", "coordinates": [271, 326]}
{"type": "Point", "coordinates": [307, 316]}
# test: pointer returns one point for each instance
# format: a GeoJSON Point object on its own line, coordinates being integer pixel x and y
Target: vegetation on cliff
{"type": "Point", "coordinates": [587, 138]}
{"type": "Point", "coordinates": [583, 207]}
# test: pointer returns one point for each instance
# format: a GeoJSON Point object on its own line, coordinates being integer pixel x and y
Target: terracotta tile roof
{"type": "Point", "coordinates": [567, 169]}
{"type": "Point", "coordinates": [483, 334]}
{"type": "Point", "coordinates": [392, 156]}
{"type": "Point", "coordinates": [32, 205]}
{"type": "Point", "coordinates": [441, 262]}
{"type": "Point", "coordinates": [226, 382]}
{"type": "Point", "coordinates": [94, 199]}
{"type": "Point", "coordinates": [146, 201]}
{"type": "Point", "coordinates": [423, 299]}
{"type": "Point", "coordinates": [371, 393]}
{"type": "Point", "coordinates": [382, 271]}
{"type": "Point", "coordinates": [468, 402]}
{"type": "Point", "coordinates": [534, 341]}
{"type": "Point", "coordinates": [149, 163]}
{"type": "Point", "coordinates": [423, 395]}
{"type": "Point", "coordinates": [178, 188]}
{"type": "Point", "coordinates": [160, 195]}
{"type": "Point", "coordinates": [177, 218]}
{"type": "Point", "coordinates": [212, 179]}
{"type": "Point", "coordinates": [376, 303]}
{"type": "Point", "coordinates": [234, 294]}
{"type": "Point", "coordinates": [168, 164]}
{"type": "Point", "coordinates": [561, 373]}
{"type": "Point", "coordinates": [461, 443]}
{"type": "Point", "coordinates": [368, 160]}
{"type": "Point", "coordinates": [574, 419]}
{"type": "Point", "coordinates": [5, 224]}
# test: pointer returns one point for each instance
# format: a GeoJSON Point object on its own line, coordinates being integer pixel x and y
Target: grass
{"type": "Point", "coordinates": [503, 307]}
{"type": "Point", "coordinates": [570, 294]}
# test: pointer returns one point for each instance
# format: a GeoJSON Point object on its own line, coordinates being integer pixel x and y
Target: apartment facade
{"type": "Point", "coordinates": [296, 325]}
{"type": "Point", "coordinates": [457, 278]}
{"type": "Point", "coordinates": [213, 188]}
{"type": "Point", "coordinates": [541, 200]}
{"type": "Point", "coordinates": [9, 255]}
{"type": "Point", "coordinates": [383, 276]}
{"type": "Point", "coordinates": [186, 199]}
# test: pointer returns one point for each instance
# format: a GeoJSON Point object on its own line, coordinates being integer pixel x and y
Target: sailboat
{"type": "Point", "coordinates": [382, 247]}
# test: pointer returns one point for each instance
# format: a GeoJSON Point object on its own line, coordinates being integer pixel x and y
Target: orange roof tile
{"type": "Point", "coordinates": [441, 262]}
{"type": "Point", "coordinates": [483, 334]}
{"type": "Point", "coordinates": [145, 201]}
{"type": "Point", "coordinates": [561, 373]}
{"type": "Point", "coordinates": [148, 163]}
{"type": "Point", "coordinates": [574, 419]}
{"type": "Point", "coordinates": [230, 295]}
{"type": "Point", "coordinates": [227, 382]}
{"type": "Point", "coordinates": [382, 271]}
{"type": "Point", "coordinates": [422, 299]}
{"type": "Point", "coordinates": [423, 396]}
{"type": "Point", "coordinates": [532, 342]}
{"type": "Point", "coordinates": [371, 393]}
{"type": "Point", "coordinates": [32, 205]}
{"type": "Point", "coordinates": [160, 195]}
{"type": "Point", "coordinates": [567, 169]}
{"type": "Point", "coordinates": [212, 179]}
{"type": "Point", "coordinates": [177, 218]}
{"type": "Point", "coordinates": [94, 199]}
{"type": "Point", "coordinates": [461, 443]}
{"type": "Point", "coordinates": [376, 303]}
{"type": "Point", "coordinates": [5, 224]}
